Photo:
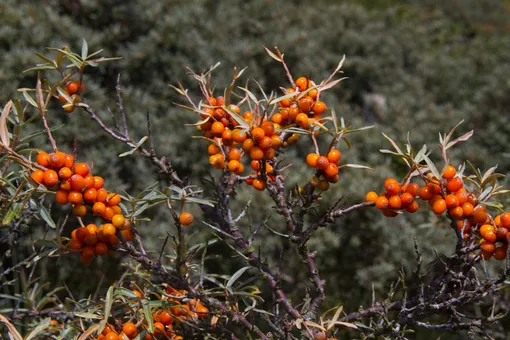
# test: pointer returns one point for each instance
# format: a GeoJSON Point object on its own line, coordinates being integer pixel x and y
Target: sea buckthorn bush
{"type": "Point", "coordinates": [248, 135]}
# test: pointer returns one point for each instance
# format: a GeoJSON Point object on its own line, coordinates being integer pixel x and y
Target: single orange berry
{"type": "Point", "coordinates": [411, 188]}
{"type": "Point", "coordinates": [102, 194]}
{"type": "Point", "coordinates": [479, 214]}
{"type": "Point", "coordinates": [306, 103]}
{"type": "Point", "coordinates": [302, 83]}
{"type": "Point", "coordinates": [392, 186]}
{"type": "Point", "coordinates": [322, 162]}
{"type": "Point", "coordinates": [259, 184]}
{"type": "Point", "coordinates": [331, 170]}
{"type": "Point", "coordinates": [467, 209]}
{"type": "Point", "coordinates": [334, 156]}
{"type": "Point", "coordinates": [73, 87]}
{"type": "Point", "coordinates": [61, 197]}
{"type": "Point", "coordinates": [455, 184]}
{"type": "Point", "coordinates": [81, 169]}
{"type": "Point", "coordinates": [268, 127]}
{"type": "Point", "coordinates": [490, 236]}
{"type": "Point", "coordinates": [500, 253]}
{"type": "Point", "coordinates": [277, 118]}
{"type": "Point", "coordinates": [50, 178]}
{"type": "Point", "coordinates": [319, 107]}
{"type": "Point", "coordinates": [449, 172]}
{"type": "Point", "coordinates": [439, 206]}
{"type": "Point", "coordinates": [257, 134]}
{"type": "Point", "coordinates": [451, 201]}
{"type": "Point", "coordinates": [130, 330]}
{"type": "Point", "coordinates": [98, 208]}
{"type": "Point", "coordinates": [265, 143]}
{"type": "Point", "coordinates": [43, 159]}
{"type": "Point", "coordinates": [65, 173]}
{"type": "Point", "coordinates": [186, 218]}
{"type": "Point", "coordinates": [101, 248]}
{"type": "Point", "coordinates": [407, 199]}
{"type": "Point", "coordinates": [484, 229]}
{"type": "Point", "coordinates": [395, 202]}
{"type": "Point", "coordinates": [425, 193]}
{"type": "Point", "coordinates": [79, 210]}
{"type": "Point", "coordinates": [311, 159]}
{"type": "Point", "coordinates": [38, 176]}
{"type": "Point", "coordinates": [302, 120]}
{"type": "Point", "coordinates": [217, 129]}
{"type": "Point", "coordinates": [371, 196]}
{"type": "Point", "coordinates": [488, 247]}
{"type": "Point", "coordinates": [381, 203]}
{"type": "Point", "coordinates": [113, 199]}
{"type": "Point", "coordinates": [75, 245]}
{"type": "Point", "coordinates": [456, 213]}
{"type": "Point", "coordinates": [90, 195]}
{"type": "Point", "coordinates": [77, 182]}
{"type": "Point", "coordinates": [213, 149]}
{"type": "Point", "coordinates": [234, 154]}
{"type": "Point", "coordinates": [57, 159]}
{"type": "Point", "coordinates": [68, 161]}
{"type": "Point", "coordinates": [505, 219]}
{"type": "Point", "coordinates": [413, 207]}
{"type": "Point", "coordinates": [118, 220]}
{"type": "Point", "coordinates": [107, 213]}
{"type": "Point", "coordinates": [256, 153]}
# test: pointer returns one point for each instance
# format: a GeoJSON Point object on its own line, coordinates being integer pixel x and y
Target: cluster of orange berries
{"type": "Point", "coordinates": [164, 319]}
{"type": "Point", "coordinates": [73, 90]}
{"type": "Point", "coordinates": [327, 168]}
{"type": "Point", "coordinates": [74, 183]}
{"type": "Point", "coordinates": [395, 197]}
{"type": "Point", "coordinates": [262, 140]}
{"type": "Point", "coordinates": [448, 194]}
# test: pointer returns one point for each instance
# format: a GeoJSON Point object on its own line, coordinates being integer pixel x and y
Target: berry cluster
{"type": "Point", "coordinates": [448, 194]}
{"type": "Point", "coordinates": [327, 168]}
{"type": "Point", "coordinates": [74, 183]}
{"type": "Point", "coordinates": [395, 197]}
{"type": "Point", "coordinates": [72, 91]}
{"type": "Point", "coordinates": [166, 320]}
{"type": "Point", "coordinates": [263, 137]}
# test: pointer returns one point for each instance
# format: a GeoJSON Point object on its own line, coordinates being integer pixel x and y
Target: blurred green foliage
{"type": "Point", "coordinates": [415, 68]}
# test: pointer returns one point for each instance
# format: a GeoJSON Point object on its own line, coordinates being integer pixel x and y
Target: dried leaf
{"type": "Point", "coordinates": [272, 55]}
{"type": "Point", "coordinates": [13, 333]}
{"type": "Point", "coordinates": [335, 318]}
{"type": "Point", "coordinates": [4, 133]}
{"type": "Point", "coordinates": [90, 331]}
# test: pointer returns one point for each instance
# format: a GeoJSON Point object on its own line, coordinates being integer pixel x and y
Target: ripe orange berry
{"type": "Point", "coordinates": [127, 234]}
{"type": "Point", "coordinates": [234, 154]}
{"type": "Point", "coordinates": [202, 311]}
{"type": "Point", "coordinates": [311, 159]}
{"type": "Point", "coordinates": [101, 248]}
{"type": "Point", "coordinates": [257, 134]}
{"type": "Point", "coordinates": [425, 193]}
{"type": "Point", "coordinates": [268, 127]}
{"type": "Point", "coordinates": [411, 188]}
{"type": "Point", "coordinates": [247, 144]}
{"type": "Point", "coordinates": [38, 176]}
{"type": "Point", "coordinates": [130, 330]}
{"type": "Point", "coordinates": [505, 219]}
{"type": "Point", "coordinates": [61, 196]}
{"type": "Point", "coordinates": [502, 233]}
{"type": "Point", "coordinates": [118, 220]}
{"type": "Point", "coordinates": [331, 170]}
{"type": "Point", "coordinates": [413, 207]}
{"type": "Point", "coordinates": [302, 83]}
{"type": "Point", "coordinates": [65, 173]}
{"type": "Point", "coordinates": [395, 202]}
{"type": "Point", "coordinates": [256, 153]}
{"type": "Point", "coordinates": [488, 247]}
{"type": "Point", "coordinates": [50, 178]}
{"type": "Point", "coordinates": [98, 182]}
{"type": "Point", "coordinates": [449, 172]}
{"type": "Point", "coordinates": [490, 236]}
{"type": "Point", "coordinates": [75, 245]}
{"type": "Point", "coordinates": [43, 159]}
{"type": "Point", "coordinates": [381, 203]}
{"type": "Point", "coordinates": [479, 214]}
{"type": "Point", "coordinates": [451, 201]}
{"type": "Point", "coordinates": [371, 196]}
{"type": "Point", "coordinates": [79, 210]}
{"type": "Point", "coordinates": [407, 199]}
{"type": "Point", "coordinates": [74, 197]}
{"type": "Point", "coordinates": [213, 149]}
{"type": "Point", "coordinates": [81, 169]}
{"type": "Point", "coordinates": [113, 199]}
{"type": "Point", "coordinates": [500, 253]}
{"type": "Point", "coordinates": [392, 186]}
{"type": "Point", "coordinates": [265, 143]}
{"type": "Point", "coordinates": [484, 229]}
{"type": "Point", "coordinates": [467, 209]}
{"type": "Point", "coordinates": [319, 107]}
{"type": "Point", "coordinates": [439, 206]}
{"type": "Point", "coordinates": [102, 194]}
{"type": "Point", "coordinates": [68, 161]}
{"type": "Point", "coordinates": [217, 129]}
{"type": "Point", "coordinates": [73, 87]}
{"type": "Point", "coordinates": [91, 239]}
{"type": "Point", "coordinates": [293, 112]}
{"type": "Point", "coordinates": [57, 159]}
{"type": "Point", "coordinates": [305, 104]}
{"type": "Point", "coordinates": [234, 165]}
{"type": "Point", "coordinates": [90, 195]}
{"type": "Point", "coordinates": [259, 184]}
{"type": "Point", "coordinates": [334, 156]}
{"type": "Point", "coordinates": [98, 208]}
{"type": "Point", "coordinates": [88, 251]}
{"type": "Point", "coordinates": [455, 184]}
{"type": "Point", "coordinates": [456, 213]}
{"type": "Point", "coordinates": [322, 162]}
{"type": "Point", "coordinates": [77, 182]}
{"type": "Point", "coordinates": [302, 120]}
{"type": "Point", "coordinates": [277, 118]}
{"type": "Point", "coordinates": [186, 218]}
{"type": "Point", "coordinates": [107, 213]}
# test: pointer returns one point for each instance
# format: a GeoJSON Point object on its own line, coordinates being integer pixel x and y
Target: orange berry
{"type": "Point", "coordinates": [311, 159]}
{"type": "Point", "coordinates": [202, 311]}
{"type": "Point", "coordinates": [256, 153]}
{"type": "Point", "coordinates": [505, 219]}
{"type": "Point", "coordinates": [371, 196]}
{"type": "Point", "coordinates": [479, 214]}
{"type": "Point", "coordinates": [467, 209]}
{"type": "Point", "coordinates": [407, 199]}
{"type": "Point", "coordinates": [74, 197]}
{"type": "Point", "coordinates": [43, 159]}
{"type": "Point", "coordinates": [268, 127]}
{"type": "Point", "coordinates": [293, 112]}
{"type": "Point", "coordinates": [61, 197]}
{"type": "Point", "coordinates": [451, 201]}
{"type": "Point", "coordinates": [502, 233]}
{"type": "Point", "coordinates": [38, 176]}
{"type": "Point", "coordinates": [107, 213]}
{"type": "Point", "coordinates": [98, 182]}
{"type": "Point", "coordinates": [331, 170]}
{"type": "Point", "coordinates": [68, 161]}
{"type": "Point", "coordinates": [413, 207]}
{"type": "Point", "coordinates": [226, 137]}
{"type": "Point", "coordinates": [213, 149]}
{"type": "Point", "coordinates": [217, 129]}
{"type": "Point", "coordinates": [488, 247]}
{"type": "Point", "coordinates": [484, 229]}
{"type": "Point", "coordinates": [101, 248]}
{"type": "Point", "coordinates": [455, 184]}
{"type": "Point", "coordinates": [302, 120]}
{"type": "Point", "coordinates": [98, 208]}
{"type": "Point", "coordinates": [306, 103]}
{"type": "Point", "coordinates": [334, 156]}
{"type": "Point", "coordinates": [79, 210]}
{"type": "Point", "coordinates": [57, 159]}
{"type": "Point", "coordinates": [77, 182]}
{"type": "Point", "coordinates": [381, 203]}
{"type": "Point", "coordinates": [102, 194]}
{"type": "Point", "coordinates": [73, 87]}
{"type": "Point", "coordinates": [75, 245]}
{"type": "Point", "coordinates": [234, 165]}
{"type": "Point", "coordinates": [259, 184]}
{"type": "Point", "coordinates": [257, 134]}
{"type": "Point", "coordinates": [322, 162]}
{"type": "Point", "coordinates": [425, 193]}
{"type": "Point", "coordinates": [456, 213]}
{"type": "Point", "coordinates": [90, 195]}
{"type": "Point", "coordinates": [118, 220]}
{"type": "Point", "coordinates": [277, 118]}
{"type": "Point", "coordinates": [490, 236]}
{"type": "Point", "coordinates": [50, 177]}
{"type": "Point", "coordinates": [411, 188]}
{"type": "Point", "coordinates": [113, 199]}
{"type": "Point", "coordinates": [127, 234]}
{"type": "Point", "coordinates": [130, 330]}
{"type": "Point", "coordinates": [392, 186]}
{"type": "Point", "coordinates": [500, 253]}
{"type": "Point", "coordinates": [186, 218]}
{"type": "Point", "coordinates": [319, 107]}
{"type": "Point", "coordinates": [88, 251]}
{"type": "Point", "coordinates": [395, 202]}
{"type": "Point", "coordinates": [65, 173]}
{"type": "Point", "coordinates": [91, 239]}
{"type": "Point", "coordinates": [234, 154]}
{"type": "Point", "coordinates": [449, 172]}
{"type": "Point", "coordinates": [166, 318]}
{"type": "Point", "coordinates": [109, 229]}
{"type": "Point", "coordinates": [81, 169]}
{"type": "Point", "coordinates": [439, 206]}
{"type": "Point", "coordinates": [302, 83]}
{"type": "Point", "coordinates": [265, 143]}
{"type": "Point", "coordinates": [461, 196]}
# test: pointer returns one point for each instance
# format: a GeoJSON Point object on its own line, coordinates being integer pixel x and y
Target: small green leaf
{"type": "Point", "coordinates": [43, 212]}
{"type": "Point", "coordinates": [85, 315]}
{"type": "Point", "coordinates": [84, 49]}
{"type": "Point", "coordinates": [199, 201]}
{"type": "Point", "coordinates": [125, 292]}
{"type": "Point", "coordinates": [107, 309]}
{"type": "Point", "coordinates": [148, 314]}
{"type": "Point", "coordinates": [29, 99]}
{"type": "Point", "coordinates": [236, 276]}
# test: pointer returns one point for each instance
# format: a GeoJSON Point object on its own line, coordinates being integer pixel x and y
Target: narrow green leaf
{"type": "Point", "coordinates": [148, 315]}
{"type": "Point", "coordinates": [42, 325]}
{"type": "Point", "coordinates": [432, 166]}
{"type": "Point", "coordinates": [125, 292]}
{"type": "Point", "coordinates": [40, 68]}
{"type": "Point", "coordinates": [85, 315]}
{"type": "Point", "coordinates": [236, 276]}
{"type": "Point", "coordinates": [84, 49]}
{"type": "Point", "coordinates": [29, 99]}
{"type": "Point", "coordinates": [107, 309]}
{"type": "Point", "coordinates": [43, 212]}
{"type": "Point", "coordinates": [199, 201]}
